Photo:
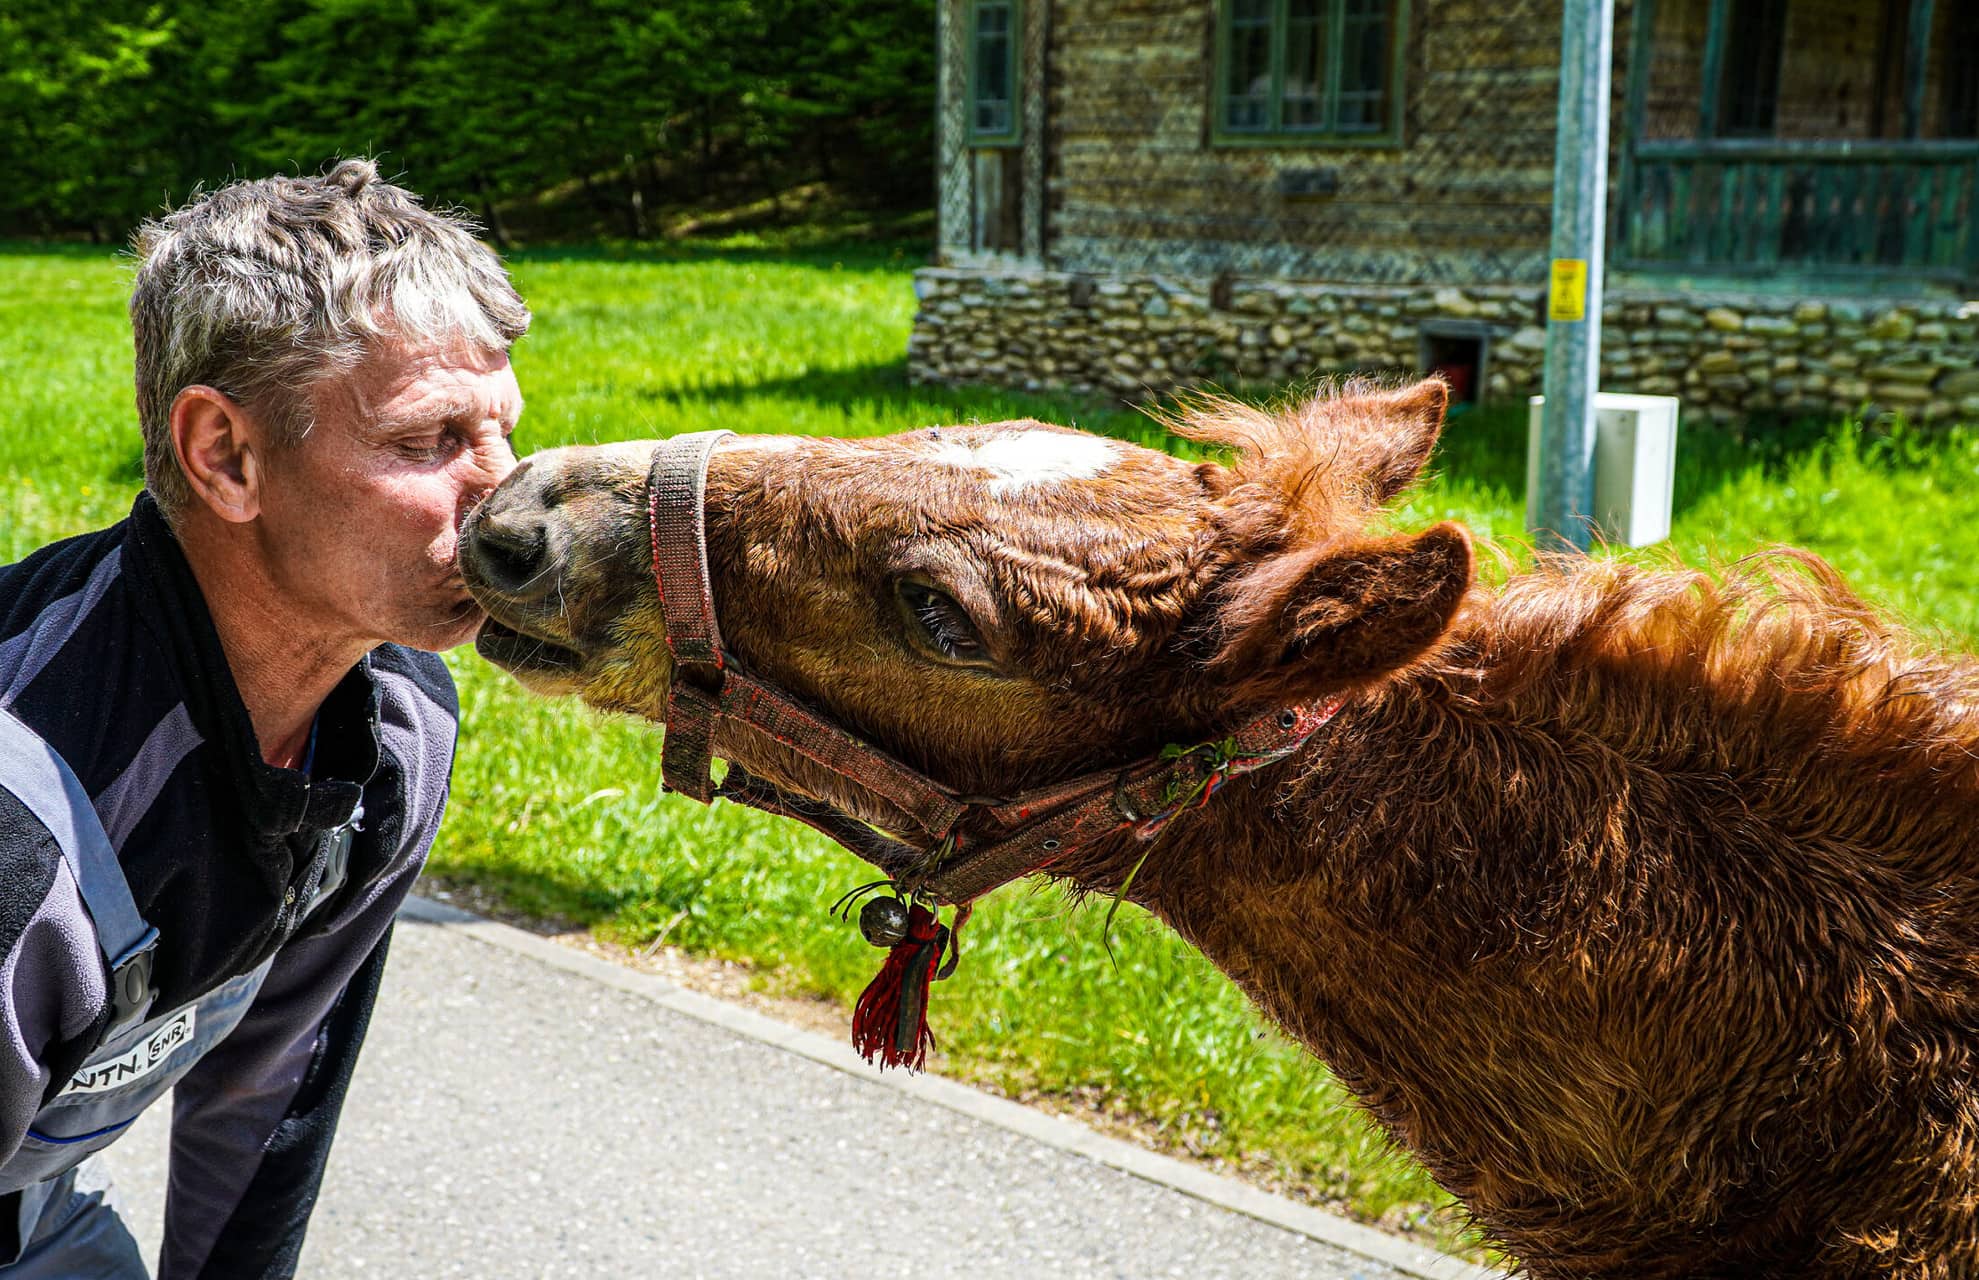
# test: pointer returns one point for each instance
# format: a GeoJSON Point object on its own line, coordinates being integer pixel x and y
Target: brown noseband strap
{"type": "Point", "coordinates": [706, 690]}
{"type": "Point", "coordinates": [1006, 838]}
{"type": "Point", "coordinates": [676, 496]}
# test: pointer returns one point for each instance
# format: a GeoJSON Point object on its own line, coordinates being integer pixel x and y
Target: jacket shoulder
{"type": "Point", "coordinates": [64, 575]}
{"type": "Point", "coordinates": [412, 673]}
{"type": "Point", "coordinates": [418, 723]}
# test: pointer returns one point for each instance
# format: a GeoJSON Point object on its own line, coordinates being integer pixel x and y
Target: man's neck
{"type": "Point", "coordinates": [283, 663]}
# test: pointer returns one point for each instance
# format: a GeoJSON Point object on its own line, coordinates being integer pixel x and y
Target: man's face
{"type": "Point", "coordinates": [360, 520]}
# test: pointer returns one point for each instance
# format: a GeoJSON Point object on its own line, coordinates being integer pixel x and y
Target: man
{"type": "Point", "coordinates": [223, 720]}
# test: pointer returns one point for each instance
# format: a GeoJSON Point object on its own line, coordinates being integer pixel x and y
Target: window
{"type": "Point", "coordinates": [1755, 38]}
{"type": "Point", "coordinates": [993, 42]}
{"type": "Point", "coordinates": [1296, 70]}
{"type": "Point", "coordinates": [1960, 91]}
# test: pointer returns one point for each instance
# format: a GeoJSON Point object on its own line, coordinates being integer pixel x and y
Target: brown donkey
{"type": "Point", "coordinates": [1639, 904]}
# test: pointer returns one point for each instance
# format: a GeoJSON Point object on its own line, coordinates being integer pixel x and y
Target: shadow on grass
{"type": "Point", "coordinates": [77, 249]}
{"type": "Point", "coordinates": [1487, 446]}
{"type": "Point", "coordinates": [877, 254]}
{"type": "Point", "coordinates": [870, 254]}
{"type": "Point", "coordinates": [560, 902]}
{"type": "Point", "coordinates": [884, 386]}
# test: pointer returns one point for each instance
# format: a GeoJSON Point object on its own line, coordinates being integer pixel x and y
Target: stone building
{"type": "Point", "coordinates": [1136, 194]}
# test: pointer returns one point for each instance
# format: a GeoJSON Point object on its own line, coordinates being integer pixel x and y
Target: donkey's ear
{"type": "Point", "coordinates": [1216, 480]}
{"type": "Point", "coordinates": [1316, 621]}
{"type": "Point", "coordinates": [1404, 426]}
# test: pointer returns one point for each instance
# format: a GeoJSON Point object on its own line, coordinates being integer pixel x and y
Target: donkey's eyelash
{"type": "Point", "coordinates": [942, 629]}
{"type": "Point", "coordinates": [943, 621]}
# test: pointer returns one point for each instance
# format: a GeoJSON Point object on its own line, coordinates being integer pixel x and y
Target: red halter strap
{"type": "Point", "coordinates": [1027, 833]}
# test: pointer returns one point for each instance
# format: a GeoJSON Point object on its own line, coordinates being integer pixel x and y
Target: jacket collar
{"type": "Point", "coordinates": [274, 802]}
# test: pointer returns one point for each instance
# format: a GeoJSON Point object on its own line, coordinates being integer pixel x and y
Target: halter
{"type": "Point", "coordinates": [958, 847]}
{"type": "Point", "coordinates": [1026, 833]}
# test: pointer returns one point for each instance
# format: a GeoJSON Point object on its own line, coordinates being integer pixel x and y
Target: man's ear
{"type": "Point", "coordinates": [217, 445]}
{"type": "Point", "coordinates": [1322, 620]}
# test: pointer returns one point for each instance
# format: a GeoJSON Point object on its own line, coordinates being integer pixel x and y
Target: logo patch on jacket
{"type": "Point", "coordinates": [136, 1062]}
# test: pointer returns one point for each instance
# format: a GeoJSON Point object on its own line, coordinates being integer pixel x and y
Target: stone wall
{"type": "Point", "coordinates": [1726, 355]}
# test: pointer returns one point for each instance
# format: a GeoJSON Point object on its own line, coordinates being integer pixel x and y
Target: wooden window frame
{"type": "Point", "coordinates": [1012, 136]}
{"type": "Point", "coordinates": [1275, 135]}
{"type": "Point", "coordinates": [1773, 38]}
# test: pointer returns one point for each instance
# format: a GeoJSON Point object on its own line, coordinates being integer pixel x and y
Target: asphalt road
{"type": "Point", "coordinates": [515, 1118]}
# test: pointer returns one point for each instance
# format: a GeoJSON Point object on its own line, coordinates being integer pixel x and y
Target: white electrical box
{"type": "Point", "coordinates": [1635, 466]}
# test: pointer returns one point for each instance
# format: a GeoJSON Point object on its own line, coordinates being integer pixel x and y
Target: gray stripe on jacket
{"type": "Point", "coordinates": [125, 801]}
{"type": "Point", "coordinates": [27, 653]}
{"type": "Point", "coordinates": [52, 983]}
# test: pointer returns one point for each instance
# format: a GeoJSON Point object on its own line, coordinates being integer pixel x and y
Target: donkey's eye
{"type": "Point", "coordinates": [943, 623]}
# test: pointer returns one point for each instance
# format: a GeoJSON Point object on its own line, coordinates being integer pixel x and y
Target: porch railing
{"type": "Point", "coordinates": [1890, 209]}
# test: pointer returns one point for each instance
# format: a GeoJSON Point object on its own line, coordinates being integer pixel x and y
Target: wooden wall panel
{"type": "Point", "coordinates": [1137, 185]}
{"type": "Point", "coordinates": [1829, 72]}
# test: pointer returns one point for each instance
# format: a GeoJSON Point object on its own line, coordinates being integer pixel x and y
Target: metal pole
{"type": "Point", "coordinates": [1573, 330]}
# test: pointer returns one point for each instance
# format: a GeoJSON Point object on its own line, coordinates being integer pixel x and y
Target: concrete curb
{"type": "Point", "coordinates": [1053, 1131]}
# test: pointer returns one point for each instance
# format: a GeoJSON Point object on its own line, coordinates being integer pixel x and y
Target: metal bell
{"type": "Point", "coordinates": [883, 921]}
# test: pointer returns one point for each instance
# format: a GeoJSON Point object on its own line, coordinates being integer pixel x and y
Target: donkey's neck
{"type": "Point", "coordinates": [1388, 895]}
{"type": "Point", "coordinates": [1586, 739]}
{"type": "Point", "coordinates": [1493, 896]}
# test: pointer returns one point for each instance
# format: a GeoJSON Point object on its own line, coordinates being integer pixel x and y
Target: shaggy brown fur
{"type": "Point", "coordinates": [1639, 904]}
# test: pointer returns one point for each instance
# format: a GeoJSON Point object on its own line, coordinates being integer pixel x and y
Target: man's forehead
{"type": "Point", "coordinates": [429, 384]}
{"type": "Point", "coordinates": [424, 403]}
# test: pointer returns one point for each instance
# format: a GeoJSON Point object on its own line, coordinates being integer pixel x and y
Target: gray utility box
{"type": "Point", "coordinates": [1635, 466]}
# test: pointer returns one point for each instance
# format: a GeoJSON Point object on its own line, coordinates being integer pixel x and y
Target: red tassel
{"type": "Point", "coordinates": [890, 1021]}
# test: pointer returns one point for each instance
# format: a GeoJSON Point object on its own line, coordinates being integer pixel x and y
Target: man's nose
{"type": "Point", "coordinates": [495, 461]}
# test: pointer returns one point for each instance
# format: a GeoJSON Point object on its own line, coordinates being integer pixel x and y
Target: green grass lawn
{"type": "Point", "coordinates": [558, 810]}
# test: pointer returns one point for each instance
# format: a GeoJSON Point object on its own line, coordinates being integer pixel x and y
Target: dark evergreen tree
{"type": "Point", "coordinates": [605, 110]}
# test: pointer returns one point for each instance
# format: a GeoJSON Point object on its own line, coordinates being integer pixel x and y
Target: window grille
{"type": "Point", "coordinates": [993, 45]}
{"type": "Point", "coordinates": [1755, 39]}
{"type": "Point", "coordinates": [1306, 70]}
{"type": "Point", "coordinates": [1961, 73]}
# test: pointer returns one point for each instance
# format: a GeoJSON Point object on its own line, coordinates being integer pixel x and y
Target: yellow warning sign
{"type": "Point", "coordinates": [1568, 297]}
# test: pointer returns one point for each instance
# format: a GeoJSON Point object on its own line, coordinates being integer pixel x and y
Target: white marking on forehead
{"type": "Point", "coordinates": [1019, 459]}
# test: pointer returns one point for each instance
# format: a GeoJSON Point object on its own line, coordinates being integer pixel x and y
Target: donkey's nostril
{"type": "Point", "coordinates": [510, 556]}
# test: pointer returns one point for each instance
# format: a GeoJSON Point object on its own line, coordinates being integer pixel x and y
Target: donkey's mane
{"type": "Point", "coordinates": [1769, 659]}
{"type": "Point", "coordinates": [1777, 635]}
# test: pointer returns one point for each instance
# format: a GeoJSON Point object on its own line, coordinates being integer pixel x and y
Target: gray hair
{"type": "Point", "coordinates": [264, 289]}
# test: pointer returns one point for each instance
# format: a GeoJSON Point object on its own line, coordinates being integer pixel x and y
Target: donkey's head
{"type": "Point", "coordinates": [996, 605]}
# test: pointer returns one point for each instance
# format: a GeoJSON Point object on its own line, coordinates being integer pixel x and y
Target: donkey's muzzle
{"type": "Point", "coordinates": [541, 555]}
{"type": "Point", "coordinates": [509, 552]}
